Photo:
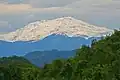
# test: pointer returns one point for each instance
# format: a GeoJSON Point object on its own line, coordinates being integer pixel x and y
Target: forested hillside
{"type": "Point", "coordinates": [101, 61]}
{"type": "Point", "coordinates": [17, 68]}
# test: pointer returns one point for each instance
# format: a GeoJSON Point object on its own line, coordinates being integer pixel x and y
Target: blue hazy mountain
{"type": "Point", "coordinates": [40, 58]}
{"type": "Point", "coordinates": [58, 42]}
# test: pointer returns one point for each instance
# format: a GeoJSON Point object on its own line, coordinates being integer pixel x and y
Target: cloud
{"type": "Point", "coordinates": [14, 1]}
{"type": "Point", "coordinates": [101, 7]}
{"type": "Point", "coordinates": [97, 7]}
{"type": "Point", "coordinates": [8, 8]}
{"type": "Point", "coordinates": [41, 3]}
{"type": "Point", "coordinates": [50, 3]}
{"type": "Point", "coordinates": [26, 8]}
{"type": "Point", "coordinates": [3, 24]}
{"type": "Point", "coordinates": [21, 12]}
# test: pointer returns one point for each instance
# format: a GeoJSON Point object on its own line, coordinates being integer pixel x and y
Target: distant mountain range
{"type": "Point", "coordinates": [40, 58]}
{"type": "Point", "coordinates": [58, 42]}
{"type": "Point", "coordinates": [64, 34]}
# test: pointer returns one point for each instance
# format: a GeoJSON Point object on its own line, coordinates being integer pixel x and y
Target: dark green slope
{"type": "Point", "coordinates": [101, 61]}
{"type": "Point", "coordinates": [17, 68]}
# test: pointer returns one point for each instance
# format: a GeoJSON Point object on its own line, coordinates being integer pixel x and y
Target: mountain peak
{"type": "Point", "coordinates": [64, 26]}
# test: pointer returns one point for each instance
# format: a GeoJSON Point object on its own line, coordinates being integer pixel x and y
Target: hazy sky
{"type": "Point", "coordinates": [15, 14]}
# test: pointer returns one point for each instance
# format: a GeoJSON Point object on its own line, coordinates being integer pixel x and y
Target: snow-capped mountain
{"type": "Point", "coordinates": [63, 26]}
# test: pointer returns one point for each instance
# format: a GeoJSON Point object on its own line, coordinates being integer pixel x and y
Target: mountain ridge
{"type": "Point", "coordinates": [40, 58]}
{"type": "Point", "coordinates": [58, 42]}
{"type": "Point", "coordinates": [63, 26]}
